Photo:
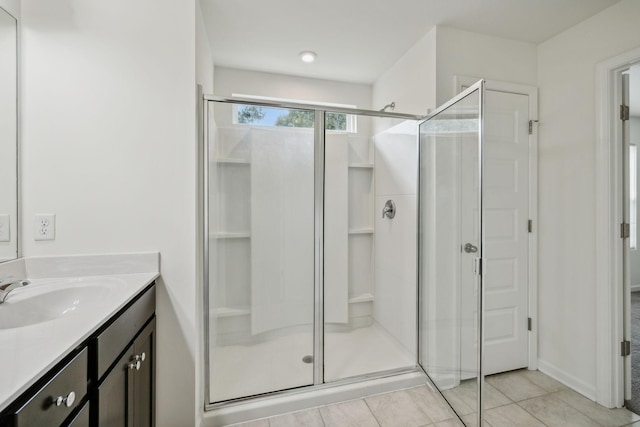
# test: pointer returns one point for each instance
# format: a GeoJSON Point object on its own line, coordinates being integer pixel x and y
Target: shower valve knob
{"type": "Point", "coordinates": [389, 209]}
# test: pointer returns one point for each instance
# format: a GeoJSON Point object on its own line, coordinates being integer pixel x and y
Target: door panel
{"type": "Point", "coordinates": [506, 202]}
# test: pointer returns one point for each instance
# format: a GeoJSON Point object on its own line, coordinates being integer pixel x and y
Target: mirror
{"type": "Point", "coordinates": [8, 136]}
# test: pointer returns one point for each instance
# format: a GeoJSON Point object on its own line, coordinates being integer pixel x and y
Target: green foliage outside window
{"type": "Point", "coordinates": [293, 118]}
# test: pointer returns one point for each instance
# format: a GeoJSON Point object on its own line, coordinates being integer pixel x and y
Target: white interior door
{"type": "Point", "coordinates": [506, 216]}
{"type": "Point", "coordinates": [506, 201]}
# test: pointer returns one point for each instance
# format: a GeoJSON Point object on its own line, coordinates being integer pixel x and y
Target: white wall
{"type": "Point", "coordinates": [205, 78]}
{"type": "Point", "coordinates": [567, 288]}
{"type": "Point", "coordinates": [464, 53]}
{"type": "Point", "coordinates": [230, 80]}
{"type": "Point", "coordinates": [634, 138]}
{"type": "Point", "coordinates": [109, 147]}
{"type": "Point", "coordinates": [423, 78]}
{"type": "Point", "coordinates": [204, 60]}
{"type": "Point", "coordinates": [11, 6]}
{"type": "Point", "coordinates": [410, 82]}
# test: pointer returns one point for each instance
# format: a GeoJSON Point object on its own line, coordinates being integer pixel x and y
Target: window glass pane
{"type": "Point", "coordinates": [281, 117]}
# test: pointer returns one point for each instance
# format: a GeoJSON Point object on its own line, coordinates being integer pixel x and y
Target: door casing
{"type": "Point", "coordinates": [610, 293]}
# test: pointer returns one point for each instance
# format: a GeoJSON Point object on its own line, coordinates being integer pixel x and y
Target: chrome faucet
{"type": "Point", "coordinates": [7, 285]}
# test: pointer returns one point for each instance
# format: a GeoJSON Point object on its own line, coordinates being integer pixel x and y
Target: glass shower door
{"type": "Point", "coordinates": [260, 249]}
{"type": "Point", "coordinates": [450, 250]}
{"type": "Point", "coordinates": [369, 251]}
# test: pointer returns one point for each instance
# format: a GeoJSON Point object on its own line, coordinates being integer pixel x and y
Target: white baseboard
{"type": "Point", "coordinates": [635, 288]}
{"type": "Point", "coordinates": [587, 390]}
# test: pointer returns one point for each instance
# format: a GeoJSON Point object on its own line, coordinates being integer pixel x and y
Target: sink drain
{"type": "Point", "coordinates": [307, 359]}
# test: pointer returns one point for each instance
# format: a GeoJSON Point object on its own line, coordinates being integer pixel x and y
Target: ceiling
{"type": "Point", "coordinates": [357, 40]}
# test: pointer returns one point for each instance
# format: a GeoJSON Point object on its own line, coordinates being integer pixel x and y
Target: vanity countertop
{"type": "Point", "coordinates": [100, 286]}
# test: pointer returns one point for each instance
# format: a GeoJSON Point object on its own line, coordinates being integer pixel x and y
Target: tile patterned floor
{"type": "Point", "coordinates": [514, 399]}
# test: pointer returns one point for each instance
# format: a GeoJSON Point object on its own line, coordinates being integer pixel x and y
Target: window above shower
{"type": "Point", "coordinates": [283, 117]}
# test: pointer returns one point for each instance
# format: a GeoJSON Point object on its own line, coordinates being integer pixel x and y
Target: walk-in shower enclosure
{"type": "Point", "coordinates": [341, 245]}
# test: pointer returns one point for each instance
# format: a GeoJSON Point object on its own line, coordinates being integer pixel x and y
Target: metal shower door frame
{"type": "Point", "coordinates": [480, 88]}
{"type": "Point", "coordinates": [319, 170]}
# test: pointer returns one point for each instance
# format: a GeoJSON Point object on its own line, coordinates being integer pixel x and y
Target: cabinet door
{"type": "Point", "coordinates": [126, 397]}
{"type": "Point", "coordinates": [144, 378]}
{"type": "Point", "coordinates": [82, 418]}
{"type": "Point", "coordinates": [115, 394]}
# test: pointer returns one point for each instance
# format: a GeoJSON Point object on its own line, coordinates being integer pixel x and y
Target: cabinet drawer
{"type": "Point", "coordinates": [41, 409]}
{"type": "Point", "coordinates": [117, 336]}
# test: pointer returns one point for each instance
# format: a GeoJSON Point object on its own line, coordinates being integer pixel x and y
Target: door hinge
{"type": "Point", "coordinates": [530, 226]}
{"type": "Point", "coordinates": [625, 230]}
{"type": "Point", "coordinates": [531, 122]}
{"type": "Point", "coordinates": [529, 324]}
{"type": "Point", "coordinates": [625, 348]}
{"type": "Point", "coordinates": [624, 112]}
{"type": "Point", "coordinates": [477, 266]}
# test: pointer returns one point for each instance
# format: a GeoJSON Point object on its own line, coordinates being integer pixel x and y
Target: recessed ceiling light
{"type": "Point", "coordinates": [308, 56]}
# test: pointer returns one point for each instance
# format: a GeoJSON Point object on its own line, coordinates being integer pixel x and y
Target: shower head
{"type": "Point", "coordinates": [392, 106]}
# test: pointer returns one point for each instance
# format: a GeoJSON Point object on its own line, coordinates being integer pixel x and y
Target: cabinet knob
{"type": "Point", "coordinates": [140, 357]}
{"type": "Point", "coordinates": [67, 401]}
{"type": "Point", "coordinates": [135, 365]}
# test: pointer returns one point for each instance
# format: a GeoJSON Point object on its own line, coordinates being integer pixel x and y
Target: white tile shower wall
{"type": "Point", "coordinates": [395, 244]}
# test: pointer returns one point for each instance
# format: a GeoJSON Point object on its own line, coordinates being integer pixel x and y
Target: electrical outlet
{"type": "Point", "coordinates": [5, 230]}
{"type": "Point", "coordinates": [45, 227]}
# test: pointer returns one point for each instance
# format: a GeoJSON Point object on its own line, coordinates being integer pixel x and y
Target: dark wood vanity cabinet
{"type": "Point", "coordinates": [125, 397]}
{"type": "Point", "coordinates": [53, 399]}
{"type": "Point", "coordinates": [124, 385]}
{"type": "Point", "coordinates": [109, 380]}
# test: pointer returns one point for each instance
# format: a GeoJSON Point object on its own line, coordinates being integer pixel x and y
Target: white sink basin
{"type": "Point", "coordinates": [35, 304]}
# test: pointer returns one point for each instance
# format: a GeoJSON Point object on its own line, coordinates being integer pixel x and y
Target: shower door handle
{"type": "Point", "coordinates": [470, 249]}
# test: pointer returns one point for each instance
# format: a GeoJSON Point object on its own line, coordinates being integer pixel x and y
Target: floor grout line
{"type": "Point", "coordinates": [554, 395]}
{"type": "Point", "coordinates": [372, 413]}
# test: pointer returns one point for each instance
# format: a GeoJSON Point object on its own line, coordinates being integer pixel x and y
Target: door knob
{"type": "Point", "coordinates": [470, 249]}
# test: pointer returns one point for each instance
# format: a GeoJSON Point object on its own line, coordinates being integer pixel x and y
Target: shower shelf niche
{"type": "Point", "coordinates": [361, 298]}
{"type": "Point", "coordinates": [230, 311]}
{"type": "Point", "coordinates": [232, 240]}
{"type": "Point", "coordinates": [230, 161]}
{"type": "Point", "coordinates": [361, 231]}
{"type": "Point", "coordinates": [230, 235]}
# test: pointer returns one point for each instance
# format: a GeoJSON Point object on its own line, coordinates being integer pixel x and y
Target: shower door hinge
{"type": "Point", "coordinates": [530, 226]}
{"type": "Point", "coordinates": [624, 112]}
{"type": "Point", "coordinates": [625, 230]}
{"type": "Point", "coordinates": [625, 348]}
